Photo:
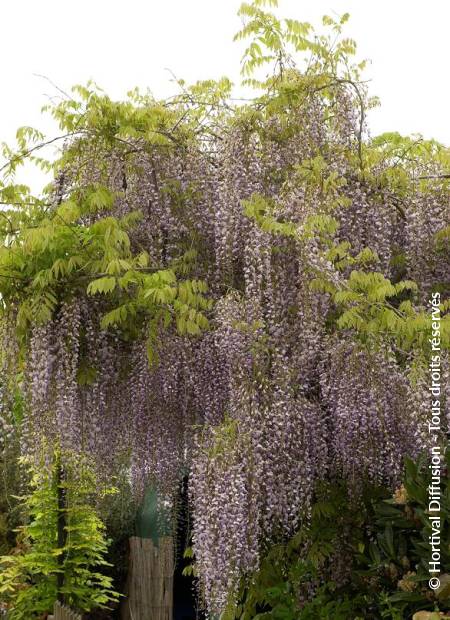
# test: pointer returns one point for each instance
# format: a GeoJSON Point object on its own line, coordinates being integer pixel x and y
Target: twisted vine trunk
{"type": "Point", "coordinates": [61, 525]}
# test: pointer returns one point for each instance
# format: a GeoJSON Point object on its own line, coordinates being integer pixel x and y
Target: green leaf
{"type": "Point", "coordinates": [102, 285]}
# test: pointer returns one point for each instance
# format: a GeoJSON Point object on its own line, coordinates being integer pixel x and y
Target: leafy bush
{"type": "Point", "coordinates": [60, 550]}
{"type": "Point", "coordinates": [365, 561]}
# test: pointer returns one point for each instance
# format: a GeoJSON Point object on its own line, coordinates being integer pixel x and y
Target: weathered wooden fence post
{"type": "Point", "coordinates": [150, 580]}
{"type": "Point", "coordinates": [60, 612]}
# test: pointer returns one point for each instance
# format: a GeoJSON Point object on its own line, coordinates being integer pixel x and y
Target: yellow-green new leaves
{"type": "Point", "coordinates": [266, 32]}
{"type": "Point", "coordinates": [186, 298]}
{"type": "Point", "coordinates": [190, 305]}
{"type": "Point", "coordinates": [101, 285]}
{"type": "Point", "coordinates": [56, 255]}
{"type": "Point", "coordinates": [365, 301]}
{"type": "Point", "coordinates": [168, 301]}
{"type": "Point", "coordinates": [158, 296]}
{"type": "Point", "coordinates": [263, 211]}
{"type": "Point", "coordinates": [369, 303]}
{"type": "Point", "coordinates": [402, 160]}
{"type": "Point", "coordinates": [135, 124]}
{"type": "Point", "coordinates": [29, 142]}
{"type": "Point", "coordinates": [100, 198]}
{"type": "Point", "coordinates": [276, 42]}
{"type": "Point", "coordinates": [37, 308]}
{"type": "Point", "coordinates": [160, 287]}
{"type": "Point", "coordinates": [69, 211]}
{"type": "Point", "coordinates": [443, 238]}
{"type": "Point", "coordinates": [316, 175]}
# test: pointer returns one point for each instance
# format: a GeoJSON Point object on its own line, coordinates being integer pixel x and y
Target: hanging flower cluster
{"type": "Point", "coordinates": [373, 414]}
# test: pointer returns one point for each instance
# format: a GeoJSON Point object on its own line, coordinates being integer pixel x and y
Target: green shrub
{"type": "Point", "coordinates": [355, 560]}
{"type": "Point", "coordinates": [61, 549]}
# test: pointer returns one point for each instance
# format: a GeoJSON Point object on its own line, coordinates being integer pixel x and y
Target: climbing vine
{"type": "Point", "coordinates": [238, 290]}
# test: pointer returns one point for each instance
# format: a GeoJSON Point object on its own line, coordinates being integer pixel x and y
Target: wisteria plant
{"type": "Point", "coordinates": [238, 290]}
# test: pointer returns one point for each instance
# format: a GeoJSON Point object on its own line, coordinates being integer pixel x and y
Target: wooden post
{"type": "Point", "coordinates": [150, 580]}
{"type": "Point", "coordinates": [64, 613]}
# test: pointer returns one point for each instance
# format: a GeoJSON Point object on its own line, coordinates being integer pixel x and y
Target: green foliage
{"type": "Point", "coordinates": [65, 243]}
{"type": "Point", "coordinates": [45, 565]}
{"type": "Point", "coordinates": [274, 41]}
{"type": "Point", "coordinates": [378, 310]}
{"type": "Point", "coordinates": [365, 301]}
{"type": "Point", "coordinates": [397, 558]}
{"type": "Point", "coordinates": [401, 157]}
{"type": "Point", "coordinates": [263, 212]}
{"type": "Point", "coordinates": [9, 510]}
{"type": "Point", "coordinates": [386, 543]}
{"type": "Point", "coordinates": [290, 569]}
{"type": "Point", "coordinates": [50, 259]}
